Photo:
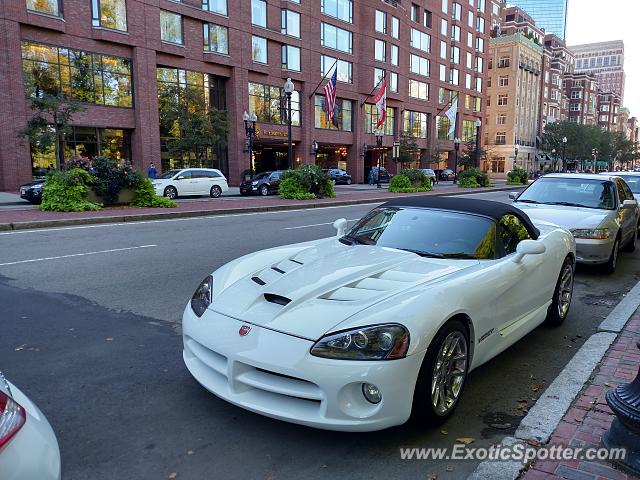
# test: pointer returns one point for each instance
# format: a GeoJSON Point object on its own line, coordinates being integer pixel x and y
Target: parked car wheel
{"type": "Point", "coordinates": [443, 374]}
{"type": "Point", "coordinates": [348, 181]}
{"type": "Point", "coordinates": [264, 190]}
{"type": "Point", "coordinates": [216, 191]}
{"type": "Point", "coordinates": [610, 266]}
{"type": "Point", "coordinates": [170, 192]}
{"type": "Point", "coordinates": [559, 308]}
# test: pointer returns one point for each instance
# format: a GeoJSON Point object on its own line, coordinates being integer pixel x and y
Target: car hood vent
{"type": "Point", "coordinates": [278, 299]}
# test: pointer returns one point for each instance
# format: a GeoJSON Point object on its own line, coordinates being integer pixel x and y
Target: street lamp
{"type": "Point", "coordinates": [477, 159]}
{"type": "Point", "coordinates": [250, 131]}
{"type": "Point", "coordinates": [555, 158]}
{"type": "Point", "coordinates": [594, 154]}
{"type": "Point", "coordinates": [379, 133]}
{"type": "Point", "coordinates": [288, 90]}
{"type": "Point", "coordinates": [564, 154]}
{"type": "Point", "coordinates": [456, 145]}
{"type": "Point", "coordinates": [515, 158]}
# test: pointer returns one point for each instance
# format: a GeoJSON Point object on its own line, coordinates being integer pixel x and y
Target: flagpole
{"type": "Point", "coordinates": [323, 79]}
{"type": "Point", "coordinates": [374, 89]}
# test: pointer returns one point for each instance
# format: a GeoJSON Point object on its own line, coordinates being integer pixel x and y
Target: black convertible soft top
{"type": "Point", "coordinates": [486, 208]}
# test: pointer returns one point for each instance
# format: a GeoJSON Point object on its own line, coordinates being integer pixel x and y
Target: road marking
{"type": "Point", "coordinates": [76, 255]}
{"type": "Point", "coordinates": [204, 217]}
{"type": "Point", "coordinates": [317, 224]}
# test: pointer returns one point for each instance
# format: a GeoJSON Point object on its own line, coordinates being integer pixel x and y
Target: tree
{"type": "Point", "coordinates": [189, 125]}
{"type": "Point", "coordinates": [408, 149]}
{"type": "Point", "coordinates": [468, 156]}
{"type": "Point", "coordinates": [53, 113]}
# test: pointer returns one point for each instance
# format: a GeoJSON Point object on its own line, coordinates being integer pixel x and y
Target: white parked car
{"type": "Point", "coordinates": [632, 179]}
{"type": "Point", "coordinates": [356, 332]}
{"type": "Point", "coordinates": [191, 181]}
{"type": "Point", "coordinates": [28, 447]}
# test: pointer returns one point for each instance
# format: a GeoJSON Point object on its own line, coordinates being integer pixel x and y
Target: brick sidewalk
{"type": "Point", "coordinates": [589, 416]}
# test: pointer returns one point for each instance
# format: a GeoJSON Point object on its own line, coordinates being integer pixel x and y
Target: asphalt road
{"type": "Point", "coordinates": [90, 331]}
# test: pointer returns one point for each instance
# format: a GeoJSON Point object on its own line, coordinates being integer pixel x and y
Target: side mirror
{"type": "Point", "coordinates": [629, 204]}
{"type": "Point", "coordinates": [341, 227]}
{"type": "Point", "coordinates": [513, 195]}
{"type": "Point", "coordinates": [180, 178]}
{"type": "Point", "coordinates": [528, 247]}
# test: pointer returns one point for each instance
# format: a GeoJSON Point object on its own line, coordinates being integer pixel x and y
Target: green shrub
{"type": "Point", "coordinates": [480, 177]}
{"type": "Point", "coordinates": [517, 176]}
{"type": "Point", "coordinates": [468, 182]}
{"type": "Point", "coordinates": [67, 192]}
{"type": "Point", "coordinates": [111, 177]}
{"type": "Point", "coordinates": [305, 183]}
{"type": "Point", "coordinates": [146, 197]}
{"type": "Point", "coordinates": [414, 174]}
{"type": "Point", "coordinates": [402, 183]}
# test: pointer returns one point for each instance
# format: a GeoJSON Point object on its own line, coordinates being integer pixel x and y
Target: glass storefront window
{"type": "Point", "coordinates": [216, 38]}
{"type": "Point", "coordinates": [85, 76]}
{"type": "Point", "coordinates": [371, 118]}
{"type": "Point", "coordinates": [268, 101]}
{"type": "Point", "coordinates": [342, 114]}
{"type": "Point", "coordinates": [442, 128]}
{"type": "Point", "coordinates": [110, 14]}
{"type": "Point", "coordinates": [414, 124]}
{"type": "Point", "coordinates": [48, 7]}
{"type": "Point", "coordinates": [170, 27]}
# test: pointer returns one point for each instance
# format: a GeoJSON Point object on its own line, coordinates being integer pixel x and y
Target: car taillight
{"type": "Point", "coordinates": [12, 418]}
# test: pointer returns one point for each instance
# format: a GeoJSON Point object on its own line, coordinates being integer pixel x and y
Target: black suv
{"type": "Point", "coordinates": [262, 184]}
{"type": "Point", "coordinates": [339, 176]}
{"type": "Point", "coordinates": [32, 192]}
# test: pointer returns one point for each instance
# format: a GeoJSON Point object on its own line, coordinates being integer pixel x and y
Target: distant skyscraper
{"type": "Point", "coordinates": [548, 14]}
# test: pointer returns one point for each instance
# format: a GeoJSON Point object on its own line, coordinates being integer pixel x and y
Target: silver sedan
{"type": "Point", "coordinates": [600, 211]}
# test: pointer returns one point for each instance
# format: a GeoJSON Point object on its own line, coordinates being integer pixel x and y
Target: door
{"type": "Point", "coordinates": [274, 181]}
{"type": "Point", "coordinates": [627, 216]}
{"type": "Point", "coordinates": [183, 183]}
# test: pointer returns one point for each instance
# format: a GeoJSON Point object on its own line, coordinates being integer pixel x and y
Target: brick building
{"type": "Point", "coordinates": [557, 62]}
{"type": "Point", "coordinates": [581, 90]}
{"type": "Point", "coordinates": [125, 58]}
{"type": "Point", "coordinates": [606, 61]}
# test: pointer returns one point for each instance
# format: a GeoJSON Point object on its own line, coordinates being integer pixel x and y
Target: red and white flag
{"type": "Point", "coordinates": [381, 102]}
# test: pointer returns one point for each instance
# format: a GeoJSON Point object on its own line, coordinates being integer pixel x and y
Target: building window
{"type": "Point", "coordinates": [420, 40]}
{"type": "Point", "coordinates": [504, 62]}
{"type": "Point", "coordinates": [454, 76]}
{"type": "Point", "coordinates": [395, 27]}
{"type": "Point", "coordinates": [344, 68]}
{"type": "Point", "coordinates": [503, 100]}
{"type": "Point", "coordinates": [216, 38]}
{"type": "Point", "coordinates": [414, 124]}
{"type": "Point", "coordinates": [415, 12]}
{"type": "Point", "coordinates": [442, 128]}
{"type": "Point", "coordinates": [85, 76]}
{"type": "Point", "coordinates": [395, 53]}
{"type": "Point", "coordinates": [342, 114]}
{"type": "Point", "coordinates": [418, 89]}
{"type": "Point", "coordinates": [501, 119]}
{"type": "Point", "coordinates": [266, 101]}
{"type": "Point", "coordinates": [496, 165]}
{"type": "Point", "coordinates": [48, 7]}
{"type": "Point", "coordinates": [371, 118]}
{"type": "Point", "coordinates": [444, 95]}
{"type": "Point", "coordinates": [427, 19]}
{"type": "Point", "coordinates": [479, 44]}
{"type": "Point", "coordinates": [469, 130]}
{"type": "Point", "coordinates": [170, 27]}
{"type": "Point", "coordinates": [110, 14]}
{"type": "Point", "coordinates": [336, 38]}
{"type": "Point", "coordinates": [381, 22]}
{"type": "Point", "coordinates": [393, 82]}
{"type": "Point", "coordinates": [340, 9]}
{"type": "Point", "coordinates": [455, 54]}
{"type": "Point", "coordinates": [291, 58]}
{"type": "Point", "coordinates": [455, 33]}
{"type": "Point", "coordinates": [501, 138]}
{"type": "Point", "coordinates": [290, 23]}
{"type": "Point", "coordinates": [380, 50]}
{"type": "Point", "coordinates": [378, 75]}
{"type": "Point", "coordinates": [259, 13]}
{"type": "Point", "coordinates": [215, 6]}
{"type": "Point", "coordinates": [456, 11]}
{"type": "Point", "coordinates": [503, 81]}
{"type": "Point", "coordinates": [259, 49]}
{"type": "Point", "coordinates": [419, 65]}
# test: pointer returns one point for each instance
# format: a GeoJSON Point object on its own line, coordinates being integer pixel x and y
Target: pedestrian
{"type": "Point", "coordinates": [151, 171]}
{"type": "Point", "coordinates": [372, 175]}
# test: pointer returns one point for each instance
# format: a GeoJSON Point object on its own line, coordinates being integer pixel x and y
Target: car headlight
{"type": "Point", "coordinates": [378, 342]}
{"type": "Point", "coordinates": [254, 183]}
{"type": "Point", "coordinates": [203, 296]}
{"type": "Point", "coordinates": [591, 233]}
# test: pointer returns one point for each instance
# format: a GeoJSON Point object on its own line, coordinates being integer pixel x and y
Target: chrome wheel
{"type": "Point", "coordinates": [565, 290]}
{"type": "Point", "coordinates": [170, 192]}
{"type": "Point", "coordinates": [449, 372]}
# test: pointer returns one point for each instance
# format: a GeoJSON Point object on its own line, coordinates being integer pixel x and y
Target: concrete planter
{"type": "Point", "coordinates": [125, 196]}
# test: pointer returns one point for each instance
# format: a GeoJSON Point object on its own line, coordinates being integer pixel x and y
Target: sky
{"type": "Point", "coordinates": [591, 21]}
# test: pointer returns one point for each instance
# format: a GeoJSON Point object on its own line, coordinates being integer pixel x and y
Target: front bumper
{"type": "Point", "coordinates": [274, 374]}
{"type": "Point", "coordinates": [248, 189]}
{"type": "Point", "coordinates": [594, 252]}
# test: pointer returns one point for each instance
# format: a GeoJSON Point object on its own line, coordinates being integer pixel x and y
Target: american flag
{"type": "Point", "coordinates": [330, 95]}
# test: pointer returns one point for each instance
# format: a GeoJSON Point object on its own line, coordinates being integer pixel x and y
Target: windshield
{"type": "Point", "coordinates": [169, 174]}
{"type": "Point", "coordinates": [430, 233]}
{"type": "Point", "coordinates": [261, 175]}
{"type": "Point", "coordinates": [633, 181]}
{"type": "Point", "coordinates": [573, 192]}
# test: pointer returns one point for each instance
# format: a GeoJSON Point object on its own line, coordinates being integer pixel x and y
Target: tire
{"type": "Point", "coordinates": [562, 294]}
{"type": "Point", "coordinates": [215, 191]}
{"type": "Point", "coordinates": [424, 410]}
{"type": "Point", "coordinates": [171, 192]}
{"type": "Point", "coordinates": [348, 181]}
{"type": "Point", "coordinates": [631, 246]}
{"type": "Point", "coordinates": [611, 264]}
{"type": "Point", "coordinates": [264, 190]}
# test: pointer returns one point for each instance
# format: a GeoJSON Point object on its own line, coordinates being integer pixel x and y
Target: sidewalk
{"type": "Point", "coordinates": [12, 218]}
{"type": "Point", "coordinates": [590, 417]}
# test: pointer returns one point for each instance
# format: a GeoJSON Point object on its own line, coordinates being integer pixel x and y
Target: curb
{"type": "Point", "coordinates": [35, 224]}
{"type": "Point", "coordinates": [539, 424]}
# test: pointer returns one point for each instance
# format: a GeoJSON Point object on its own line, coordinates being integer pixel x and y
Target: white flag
{"type": "Point", "coordinates": [451, 115]}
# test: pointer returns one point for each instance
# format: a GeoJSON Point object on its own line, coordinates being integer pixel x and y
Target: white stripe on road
{"type": "Point", "coordinates": [75, 255]}
{"type": "Point", "coordinates": [316, 225]}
